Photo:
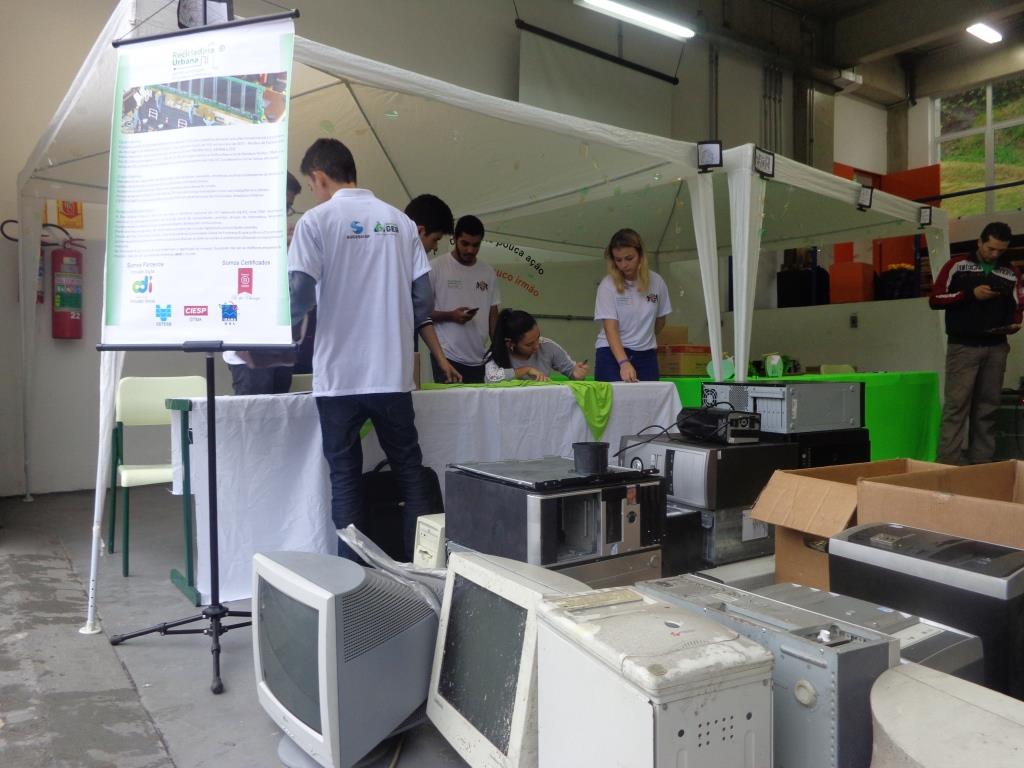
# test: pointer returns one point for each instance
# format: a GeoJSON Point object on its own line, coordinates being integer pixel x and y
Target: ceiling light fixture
{"type": "Point", "coordinates": [639, 17]}
{"type": "Point", "coordinates": [985, 32]}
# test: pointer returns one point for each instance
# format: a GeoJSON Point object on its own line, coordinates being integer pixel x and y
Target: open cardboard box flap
{"type": "Point", "coordinates": [822, 501]}
{"type": "Point", "coordinates": [983, 502]}
{"type": "Point", "coordinates": [808, 504]}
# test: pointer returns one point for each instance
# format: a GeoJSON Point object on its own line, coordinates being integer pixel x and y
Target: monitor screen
{"type": "Point", "coordinates": [480, 666]}
{"type": "Point", "coordinates": [288, 652]}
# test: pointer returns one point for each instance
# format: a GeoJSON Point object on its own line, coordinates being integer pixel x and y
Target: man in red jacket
{"type": "Point", "coordinates": [983, 299]}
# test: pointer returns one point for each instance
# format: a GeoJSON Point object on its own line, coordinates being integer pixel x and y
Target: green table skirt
{"type": "Point", "coordinates": [902, 409]}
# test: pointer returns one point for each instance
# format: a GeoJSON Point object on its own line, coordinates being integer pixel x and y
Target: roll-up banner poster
{"type": "Point", "coordinates": [196, 220]}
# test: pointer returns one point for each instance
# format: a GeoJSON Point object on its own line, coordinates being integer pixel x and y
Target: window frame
{"type": "Point", "coordinates": [988, 131]}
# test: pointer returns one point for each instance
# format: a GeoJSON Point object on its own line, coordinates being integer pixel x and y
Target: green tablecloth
{"type": "Point", "coordinates": [902, 409]}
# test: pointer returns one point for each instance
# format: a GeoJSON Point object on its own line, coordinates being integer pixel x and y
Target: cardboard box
{"type": "Point", "coordinates": [983, 502]}
{"type": "Point", "coordinates": [683, 360]}
{"type": "Point", "coordinates": [807, 506]}
{"type": "Point", "coordinates": [674, 335]}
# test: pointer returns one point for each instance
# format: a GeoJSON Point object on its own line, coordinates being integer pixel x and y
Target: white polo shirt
{"type": "Point", "coordinates": [456, 285]}
{"type": "Point", "coordinates": [635, 312]}
{"type": "Point", "coordinates": [364, 255]}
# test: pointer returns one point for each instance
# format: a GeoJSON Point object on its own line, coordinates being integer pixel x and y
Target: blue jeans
{"type": "Point", "coordinates": [645, 362]}
{"type": "Point", "coordinates": [393, 420]}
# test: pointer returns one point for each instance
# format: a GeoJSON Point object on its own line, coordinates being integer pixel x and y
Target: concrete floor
{"type": "Point", "coordinates": [69, 700]}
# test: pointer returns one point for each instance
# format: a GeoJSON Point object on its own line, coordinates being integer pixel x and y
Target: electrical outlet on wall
{"type": "Point", "coordinates": [853, 320]}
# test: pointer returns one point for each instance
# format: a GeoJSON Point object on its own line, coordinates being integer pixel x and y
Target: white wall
{"type": "Point", "coordinates": [860, 134]}
{"type": "Point", "coordinates": [902, 335]}
{"type": "Point", "coordinates": [468, 42]}
{"type": "Point", "coordinates": [45, 43]}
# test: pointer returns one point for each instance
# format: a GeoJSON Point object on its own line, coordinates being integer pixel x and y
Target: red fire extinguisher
{"type": "Point", "coordinates": [66, 268]}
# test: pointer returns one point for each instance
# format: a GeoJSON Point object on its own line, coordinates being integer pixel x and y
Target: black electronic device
{"type": "Point", "coordinates": [542, 512]}
{"type": "Point", "coordinates": [719, 425]}
{"type": "Point", "coordinates": [974, 586]}
{"type": "Point", "coordinates": [707, 475]}
{"type": "Point", "coordinates": [828, 448]}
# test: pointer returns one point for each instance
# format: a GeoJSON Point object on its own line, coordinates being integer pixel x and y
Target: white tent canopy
{"type": "Point", "coordinates": [409, 134]}
{"type": "Point", "coordinates": [535, 178]}
{"type": "Point", "coordinates": [805, 206]}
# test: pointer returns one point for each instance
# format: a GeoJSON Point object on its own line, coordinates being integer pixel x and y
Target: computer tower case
{"type": "Point", "coordinates": [971, 585]}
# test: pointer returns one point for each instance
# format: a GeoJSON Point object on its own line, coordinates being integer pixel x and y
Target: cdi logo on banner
{"type": "Point", "coordinates": [145, 285]}
{"type": "Point", "coordinates": [229, 313]}
{"type": "Point", "coordinates": [245, 280]}
{"type": "Point", "coordinates": [163, 314]}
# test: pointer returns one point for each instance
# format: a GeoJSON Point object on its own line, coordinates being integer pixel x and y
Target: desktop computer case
{"type": "Point", "coordinates": [829, 447]}
{"type": "Point", "coordinates": [822, 682]}
{"type": "Point", "coordinates": [429, 550]}
{"type": "Point", "coordinates": [648, 686]}
{"type": "Point", "coordinates": [532, 526]}
{"type": "Point", "coordinates": [923, 642]}
{"type": "Point", "coordinates": [981, 594]}
{"type": "Point", "coordinates": [793, 406]}
{"type": "Point", "coordinates": [708, 475]}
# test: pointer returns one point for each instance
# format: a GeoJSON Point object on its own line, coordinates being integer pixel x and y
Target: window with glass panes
{"type": "Point", "coordinates": [980, 143]}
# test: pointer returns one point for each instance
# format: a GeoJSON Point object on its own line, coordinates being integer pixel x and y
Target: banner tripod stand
{"type": "Point", "coordinates": [213, 613]}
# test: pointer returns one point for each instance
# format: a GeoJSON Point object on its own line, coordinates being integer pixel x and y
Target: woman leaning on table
{"type": "Point", "coordinates": [632, 302]}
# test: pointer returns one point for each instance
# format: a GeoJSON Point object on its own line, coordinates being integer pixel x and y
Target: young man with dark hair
{"type": "Point", "coordinates": [984, 303]}
{"type": "Point", "coordinates": [463, 286]}
{"type": "Point", "coordinates": [433, 219]}
{"type": "Point", "coordinates": [363, 260]}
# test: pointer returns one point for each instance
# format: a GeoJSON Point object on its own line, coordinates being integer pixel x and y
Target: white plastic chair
{"type": "Point", "coordinates": [301, 382]}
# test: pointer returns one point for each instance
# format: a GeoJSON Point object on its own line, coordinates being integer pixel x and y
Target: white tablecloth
{"type": "Point", "coordinates": [272, 480]}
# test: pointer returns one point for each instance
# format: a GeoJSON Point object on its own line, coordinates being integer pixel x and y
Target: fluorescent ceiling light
{"type": "Point", "coordinates": [985, 32]}
{"type": "Point", "coordinates": [640, 18]}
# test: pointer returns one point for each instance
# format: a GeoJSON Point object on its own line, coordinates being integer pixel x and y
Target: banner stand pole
{"type": "Point", "coordinates": [214, 612]}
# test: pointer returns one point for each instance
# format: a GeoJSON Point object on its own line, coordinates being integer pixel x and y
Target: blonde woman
{"type": "Point", "coordinates": [632, 302]}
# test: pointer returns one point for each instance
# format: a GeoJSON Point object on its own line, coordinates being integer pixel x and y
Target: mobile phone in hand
{"type": "Point", "coordinates": [473, 311]}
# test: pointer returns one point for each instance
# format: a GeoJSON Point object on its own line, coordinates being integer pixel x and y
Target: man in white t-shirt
{"type": "Point", "coordinates": [361, 262]}
{"type": "Point", "coordinates": [466, 299]}
{"type": "Point", "coordinates": [277, 379]}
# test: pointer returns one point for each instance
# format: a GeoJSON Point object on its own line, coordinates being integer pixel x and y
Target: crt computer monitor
{"type": "Point", "coordinates": [483, 685]}
{"type": "Point", "coordinates": [342, 654]}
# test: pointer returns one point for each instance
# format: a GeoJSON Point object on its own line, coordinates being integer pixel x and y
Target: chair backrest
{"type": "Point", "coordinates": [301, 382]}
{"type": "Point", "coordinates": [837, 368]}
{"type": "Point", "coordinates": [140, 399]}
